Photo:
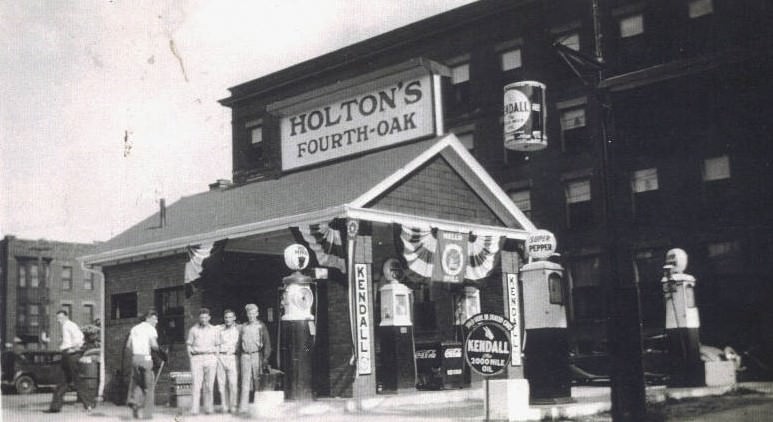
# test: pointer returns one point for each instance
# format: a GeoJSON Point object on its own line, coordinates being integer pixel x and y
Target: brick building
{"type": "Point", "coordinates": [680, 93]}
{"type": "Point", "coordinates": [39, 278]}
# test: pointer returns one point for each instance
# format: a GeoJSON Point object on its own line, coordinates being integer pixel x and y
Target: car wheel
{"type": "Point", "coordinates": [25, 385]}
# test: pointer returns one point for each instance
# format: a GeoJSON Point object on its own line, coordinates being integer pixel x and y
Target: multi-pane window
{"type": "Point", "coordinates": [123, 305]}
{"type": "Point", "coordinates": [644, 180]}
{"type": "Point", "coordinates": [522, 199]}
{"type": "Point", "coordinates": [34, 278]}
{"type": "Point", "coordinates": [698, 8]}
{"type": "Point", "coordinates": [570, 40]}
{"type": "Point", "coordinates": [88, 281]}
{"type": "Point", "coordinates": [574, 134]}
{"type": "Point", "coordinates": [578, 203]}
{"type": "Point", "coordinates": [511, 59]}
{"type": "Point", "coordinates": [66, 276]}
{"type": "Point", "coordinates": [170, 304]}
{"type": "Point", "coordinates": [88, 313]}
{"type": "Point", "coordinates": [716, 168]}
{"type": "Point", "coordinates": [460, 73]}
{"type": "Point", "coordinates": [457, 99]}
{"type": "Point", "coordinates": [22, 275]}
{"type": "Point", "coordinates": [631, 25]}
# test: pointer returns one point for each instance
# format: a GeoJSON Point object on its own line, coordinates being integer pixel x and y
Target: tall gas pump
{"type": "Point", "coordinates": [546, 340]}
{"type": "Point", "coordinates": [682, 322]}
{"type": "Point", "coordinates": [297, 326]}
{"type": "Point", "coordinates": [395, 331]}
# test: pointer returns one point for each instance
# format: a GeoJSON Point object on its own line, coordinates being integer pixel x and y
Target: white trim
{"type": "Point", "coordinates": [381, 216]}
{"type": "Point", "coordinates": [237, 231]}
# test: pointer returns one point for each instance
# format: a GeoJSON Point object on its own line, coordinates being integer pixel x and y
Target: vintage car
{"type": "Point", "coordinates": [26, 372]}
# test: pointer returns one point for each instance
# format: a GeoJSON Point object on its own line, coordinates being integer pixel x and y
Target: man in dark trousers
{"type": "Point", "coordinates": [71, 347]}
{"type": "Point", "coordinates": [143, 338]}
{"type": "Point", "coordinates": [255, 345]}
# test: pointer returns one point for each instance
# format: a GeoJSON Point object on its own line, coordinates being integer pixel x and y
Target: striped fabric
{"type": "Point", "coordinates": [325, 243]}
{"type": "Point", "coordinates": [420, 252]}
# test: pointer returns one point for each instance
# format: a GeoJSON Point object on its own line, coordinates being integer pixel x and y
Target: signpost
{"type": "Point", "coordinates": [487, 347]}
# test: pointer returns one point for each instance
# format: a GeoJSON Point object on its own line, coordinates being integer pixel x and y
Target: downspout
{"type": "Point", "coordinates": [103, 321]}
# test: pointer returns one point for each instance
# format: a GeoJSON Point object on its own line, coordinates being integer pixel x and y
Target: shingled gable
{"type": "Point", "coordinates": [348, 188]}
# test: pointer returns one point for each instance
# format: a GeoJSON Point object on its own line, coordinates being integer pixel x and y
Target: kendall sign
{"type": "Point", "coordinates": [373, 114]}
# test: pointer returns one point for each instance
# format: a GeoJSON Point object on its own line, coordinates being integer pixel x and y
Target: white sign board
{"type": "Point", "coordinates": [540, 244]}
{"type": "Point", "coordinates": [514, 314]}
{"type": "Point", "coordinates": [362, 318]}
{"type": "Point", "coordinates": [400, 111]}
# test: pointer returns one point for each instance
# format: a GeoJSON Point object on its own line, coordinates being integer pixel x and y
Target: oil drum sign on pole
{"type": "Point", "coordinates": [487, 346]}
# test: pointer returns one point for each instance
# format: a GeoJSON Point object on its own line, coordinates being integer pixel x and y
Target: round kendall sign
{"type": "Point", "coordinates": [487, 347]}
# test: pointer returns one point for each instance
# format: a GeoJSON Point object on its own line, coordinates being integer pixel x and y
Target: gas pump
{"type": "Point", "coordinates": [297, 326]}
{"type": "Point", "coordinates": [395, 331]}
{"type": "Point", "coordinates": [546, 339]}
{"type": "Point", "coordinates": [682, 322]}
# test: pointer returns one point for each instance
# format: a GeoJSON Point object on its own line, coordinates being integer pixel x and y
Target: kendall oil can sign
{"type": "Point", "coordinates": [525, 116]}
{"type": "Point", "coordinates": [386, 113]}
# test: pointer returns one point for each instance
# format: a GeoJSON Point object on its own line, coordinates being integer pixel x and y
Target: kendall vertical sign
{"type": "Point", "coordinates": [362, 318]}
{"type": "Point", "coordinates": [395, 111]}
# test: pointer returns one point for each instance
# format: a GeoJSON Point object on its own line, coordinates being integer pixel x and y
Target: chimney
{"type": "Point", "coordinates": [220, 184]}
{"type": "Point", "coordinates": [162, 212]}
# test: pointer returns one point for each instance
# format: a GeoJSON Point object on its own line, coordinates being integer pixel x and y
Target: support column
{"type": "Point", "coordinates": [360, 257]}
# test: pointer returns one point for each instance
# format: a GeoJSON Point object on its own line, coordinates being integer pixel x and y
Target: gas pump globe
{"type": "Point", "coordinates": [297, 298]}
{"type": "Point", "coordinates": [396, 297]}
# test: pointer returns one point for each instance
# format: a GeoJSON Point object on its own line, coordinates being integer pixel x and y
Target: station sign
{"type": "Point", "coordinates": [487, 347]}
{"type": "Point", "coordinates": [371, 115]}
{"type": "Point", "coordinates": [362, 320]}
{"type": "Point", "coordinates": [540, 244]}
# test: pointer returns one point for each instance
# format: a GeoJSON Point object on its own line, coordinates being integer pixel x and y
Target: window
{"type": "Point", "coordinates": [170, 304]}
{"type": "Point", "coordinates": [555, 289]}
{"type": "Point", "coordinates": [698, 8]}
{"type": "Point", "coordinates": [723, 249]}
{"type": "Point", "coordinates": [587, 294]}
{"type": "Point", "coordinates": [21, 315]}
{"type": "Point", "coordinates": [66, 276]}
{"type": "Point", "coordinates": [716, 168]}
{"type": "Point", "coordinates": [511, 59]}
{"type": "Point", "coordinates": [644, 180]}
{"type": "Point", "coordinates": [256, 136]}
{"type": "Point", "coordinates": [460, 73]}
{"type": "Point", "coordinates": [522, 199]}
{"type": "Point", "coordinates": [570, 40]}
{"type": "Point", "coordinates": [68, 308]}
{"type": "Point", "coordinates": [574, 133]}
{"type": "Point", "coordinates": [22, 275]}
{"type": "Point", "coordinates": [725, 257]}
{"type": "Point", "coordinates": [34, 314]}
{"type": "Point", "coordinates": [88, 313]}
{"type": "Point", "coordinates": [88, 281]}
{"type": "Point", "coordinates": [648, 271]}
{"type": "Point", "coordinates": [34, 280]}
{"type": "Point", "coordinates": [630, 26]}
{"type": "Point", "coordinates": [578, 203]}
{"type": "Point", "coordinates": [123, 305]}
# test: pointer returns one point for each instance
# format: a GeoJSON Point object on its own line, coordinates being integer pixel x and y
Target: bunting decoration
{"type": "Point", "coordinates": [200, 259]}
{"type": "Point", "coordinates": [440, 255]}
{"type": "Point", "coordinates": [325, 242]}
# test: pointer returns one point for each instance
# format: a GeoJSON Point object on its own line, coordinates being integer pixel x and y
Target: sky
{"type": "Point", "coordinates": [108, 106]}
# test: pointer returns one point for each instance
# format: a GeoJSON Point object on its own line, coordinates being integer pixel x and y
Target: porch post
{"type": "Point", "coordinates": [360, 257]}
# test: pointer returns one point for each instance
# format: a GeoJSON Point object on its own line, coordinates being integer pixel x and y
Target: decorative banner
{"type": "Point", "coordinates": [202, 260]}
{"type": "Point", "coordinates": [362, 319]}
{"type": "Point", "coordinates": [325, 242]}
{"type": "Point", "coordinates": [514, 312]}
{"type": "Point", "coordinates": [487, 347]}
{"type": "Point", "coordinates": [525, 116]}
{"type": "Point", "coordinates": [448, 256]}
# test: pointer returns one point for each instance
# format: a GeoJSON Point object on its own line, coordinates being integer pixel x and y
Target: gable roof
{"type": "Point", "coordinates": [312, 195]}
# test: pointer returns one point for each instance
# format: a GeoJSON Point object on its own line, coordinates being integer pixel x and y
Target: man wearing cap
{"type": "Point", "coordinates": [255, 345]}
{"type": "Point", "coordinates": [203, 339]}
{"type": "Point", "coordinates": [226, 362]}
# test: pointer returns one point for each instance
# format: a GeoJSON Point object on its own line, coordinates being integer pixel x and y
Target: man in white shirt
{"type": "Point", "coordinates": [72, 343]}
{"type": "Point", "coordinates": [203, 340]}
{"type": "Point", "coordinates": [226, 362]}
{"type": "Point", "coordinates": [142, 339]}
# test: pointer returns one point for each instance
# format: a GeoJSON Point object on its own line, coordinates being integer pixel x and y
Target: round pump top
{"type": "Point", "coordinates": [296, 257]}
{"type": "Point", "coordinates": [676, 260]}
{"type": "Point", "coordinates": [541, 244]}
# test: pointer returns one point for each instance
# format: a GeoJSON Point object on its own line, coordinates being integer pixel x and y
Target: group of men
{"type": "Point", "coordinates": [220, 352]}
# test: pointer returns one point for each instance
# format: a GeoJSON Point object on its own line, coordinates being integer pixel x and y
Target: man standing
{"type": "Point", "coordinates": [143, 338]}
{"type": "Point", "coordinates": [202, 343]}
{"type": "Point", "coordinates": [72, 343]}
{"type": "Point", "coordinates": [226, 362]}
{"type": "Point", "coordinates": [256, 348]}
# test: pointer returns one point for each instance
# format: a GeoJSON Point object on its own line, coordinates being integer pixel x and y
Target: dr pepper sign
{"type": "Point", "coordinates": [487, 346]}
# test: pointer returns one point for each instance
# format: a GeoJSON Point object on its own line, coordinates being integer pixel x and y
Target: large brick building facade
{"type": "Point", "coordinates": [677, 88]}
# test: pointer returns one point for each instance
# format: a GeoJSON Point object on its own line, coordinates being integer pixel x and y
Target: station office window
{"type": "Point", "coordinates": [123, 305]}
{"type": "Point", "coordinates": [698, 8]}
{"type": "Point", "coordinates": [578, 203]}
{"type": "Point", "coordinates": [170, 305]}
{"type": "Point", "coordinates": [511, 59]}
{"type": "Point", "coordinates": [717, 168]}
{"type": "Point", "coordinates": [66, 276]}
{"type": "Point", "coordinates": [631, 26]}
{"type": "Point", "coordinates": [522, 199]}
